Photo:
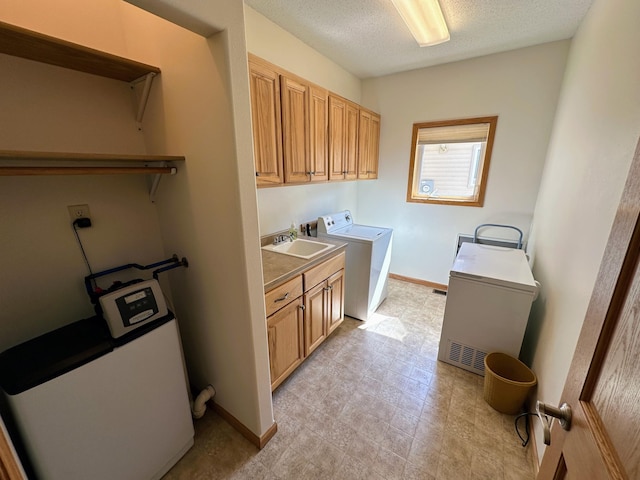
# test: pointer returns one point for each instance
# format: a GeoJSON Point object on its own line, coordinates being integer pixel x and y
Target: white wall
{"type": "Point", "coordinates": [595, 134]}
{"type": "Point", "coordinates": [521, 87]}
{"type": "Point", "coordinates": [279, 206]}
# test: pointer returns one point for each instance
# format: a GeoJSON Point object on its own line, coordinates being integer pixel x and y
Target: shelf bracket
{"type": "Point", "coordinates": [144, 97]}
{"type": "Point", "coordinates": [155, 181]}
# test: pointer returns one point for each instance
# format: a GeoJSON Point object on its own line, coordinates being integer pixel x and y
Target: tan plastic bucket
{"type": "Point", "coordinates": [507, 382]}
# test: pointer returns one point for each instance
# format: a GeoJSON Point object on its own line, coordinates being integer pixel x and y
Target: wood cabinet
{"type": "Point", "coordinates": [303, 133]}
{"type": "Point", "coordinates": [297, 322]}
{"type": "Point", "coordinates": [318, 131]}
{"type": "Point", "coordinates": [289, 119]}
{"type": "Point", "coordinates": [343, 139]}
{"type": "Point", "coordinates": [324, 310]}
{"type": "Point", "coordinates": [266, 122]}
{"type": "Point", "coordinates": [285, 335]}
{"type": "Point", "coordinates": [368, 144]}
{"type": "Point", "coordinates": [323, 301]}
{"type": "Point", "coordinates": [295, 128]}
{"type": "Point", "coordinates": [285, 329]}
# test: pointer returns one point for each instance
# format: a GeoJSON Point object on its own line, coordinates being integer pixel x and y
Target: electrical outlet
{"type": "Point", "coordinates": [78, 211]}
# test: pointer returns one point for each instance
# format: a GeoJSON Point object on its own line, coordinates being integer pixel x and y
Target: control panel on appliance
{"type": "Point", "coordinates": [133, 306]}
{"type": "Point", "coordinates": [137, 307]}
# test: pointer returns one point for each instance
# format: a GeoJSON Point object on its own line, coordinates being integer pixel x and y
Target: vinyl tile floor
{"type": "Point", "coordinates": [372, 402]}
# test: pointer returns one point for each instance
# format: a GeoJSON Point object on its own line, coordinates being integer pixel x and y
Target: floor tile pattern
{"type": "Point", "coordinates": [372, 402]}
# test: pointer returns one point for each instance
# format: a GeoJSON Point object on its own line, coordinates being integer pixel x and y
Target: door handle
{"type": "Point", "coordinates": [562, 413]}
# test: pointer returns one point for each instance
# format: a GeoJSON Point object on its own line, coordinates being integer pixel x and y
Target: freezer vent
{"type": "Point", "coordinates": [466, 357]}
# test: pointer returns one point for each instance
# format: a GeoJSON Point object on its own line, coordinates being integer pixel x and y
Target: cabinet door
{"type": "Point", "coordinates": [266, 122]}
{"type": "Point", "coordinates": [374, 145]}
{"type": "Point", "coordinates": [285, 335]}
{"type": "Point", "coordinates": [337, 137]}
{"type": "Point", "coordinates": [318, 124]}
{"type": "Point", "coordinates": [351, 142]}
{"type": "Point", "coordinates": [295, 130]}
{"type": "Point", "coordinates": [335, 301]}
{"type": "Point", "coordinates": [314, 317]}
{"type": "Point", "coordinates": [364, 131]}
{"type": "Point", "coordinates": [368, 144]}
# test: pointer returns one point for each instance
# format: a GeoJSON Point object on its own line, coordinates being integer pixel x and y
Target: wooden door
{"type": "Point", "coordinates": [337, 137]}
{"type": "Point", "coordinates": [285, 336]}
{"type": "Point", "coordinates": [266, 123]}
{"type": "Point", "coordinates": [603, 384]}
{"type": "Point", "coordinates": [335, 301]}
{"type": "Point", "coordinates": [318, 125]}
{"type": "Point", "coordinates": [295, 130]}
{"type": "Point", "coordinates": [314, 317]}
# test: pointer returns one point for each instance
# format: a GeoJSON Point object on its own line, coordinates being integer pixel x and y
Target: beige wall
{"type": "Point", "coordinates": [594, 136]}
{"type": "Point", "coordinates": [522, 88]}
{"type": "Point", "coordinates": [211, 211]}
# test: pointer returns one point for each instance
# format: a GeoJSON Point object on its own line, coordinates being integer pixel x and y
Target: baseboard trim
{"type": "Point", "coordinates": [258, 441]}
{"type": "Point", "coordinates": [426, 283]}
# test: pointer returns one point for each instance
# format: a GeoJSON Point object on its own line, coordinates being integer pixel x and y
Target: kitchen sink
{"type": "Point", "coordinates": [299, 248]}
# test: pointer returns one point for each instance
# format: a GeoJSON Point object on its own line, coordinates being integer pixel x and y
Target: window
{"type": "Point", "coordinates": [450, 161]}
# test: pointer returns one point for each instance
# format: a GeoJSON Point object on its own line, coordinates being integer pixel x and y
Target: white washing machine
{"type": "Point", "coordinates": [367, 263]}
{"type": "Point", "coordinates": [489, 298]}
{"type": "Point", "coordinates": [87, 405]}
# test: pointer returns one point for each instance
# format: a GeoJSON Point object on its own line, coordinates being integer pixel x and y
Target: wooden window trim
{"type": "Point", "coordinates": [492, 121]}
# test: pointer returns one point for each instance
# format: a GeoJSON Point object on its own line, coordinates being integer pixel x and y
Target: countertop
{"type": "Point", "coordinates": [277, 268]}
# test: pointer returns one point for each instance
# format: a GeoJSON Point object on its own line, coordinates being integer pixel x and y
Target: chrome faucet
{"type": "Point", "coordinates": [282, 238]}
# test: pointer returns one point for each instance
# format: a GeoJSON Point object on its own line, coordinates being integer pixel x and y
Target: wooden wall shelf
{"type": "Point", "coordinates": [59, 163]}
{"type": "Point", "coordinates": [20, 42]}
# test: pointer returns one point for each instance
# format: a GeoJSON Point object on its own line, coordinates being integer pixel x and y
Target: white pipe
{"type": "Point", "coordinates": [199, 405]}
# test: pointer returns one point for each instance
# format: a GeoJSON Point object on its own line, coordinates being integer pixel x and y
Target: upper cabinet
{"type": "Point", "coordinates": [368, 144]}
{"type": "Point", "coordinates": [267, 124]}
{"type": "Point", "coordinates": [318, 124]}
{"type": "Point", "coordinates": [343, 138]}
{"type": "Point", "coordinates": [295, 130]}
{"type": "Point", "coordinates": [303, 133]}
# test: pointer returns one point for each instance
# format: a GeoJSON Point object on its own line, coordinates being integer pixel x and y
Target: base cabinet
{"type": "Point", "coordinates": [298, 322]}
{"type": "Point", "coordinates": [286, 352]}
{"type": "Point", "coordinates": [324, 310]}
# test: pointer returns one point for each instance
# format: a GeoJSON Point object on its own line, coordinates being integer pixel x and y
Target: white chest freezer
{"type": "Point", "coordinates": [489, 298]}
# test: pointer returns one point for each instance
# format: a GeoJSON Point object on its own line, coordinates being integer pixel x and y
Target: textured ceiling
{"type": "Point", "coordinates": [369, 39]}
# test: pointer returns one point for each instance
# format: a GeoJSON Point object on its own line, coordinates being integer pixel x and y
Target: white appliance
{"type": "Point", "coordinates": [87, 405]}
{"type": "Point", "coordinates": [488, 303]}
{"type": "Point", "coordinates": [367, 263]}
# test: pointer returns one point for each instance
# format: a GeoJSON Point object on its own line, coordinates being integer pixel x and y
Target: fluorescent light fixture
{"type": "Point", "coordinates": [424, 19]}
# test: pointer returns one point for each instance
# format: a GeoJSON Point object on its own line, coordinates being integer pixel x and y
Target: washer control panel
{"type": "Point", "coordinates": [334, 222]}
